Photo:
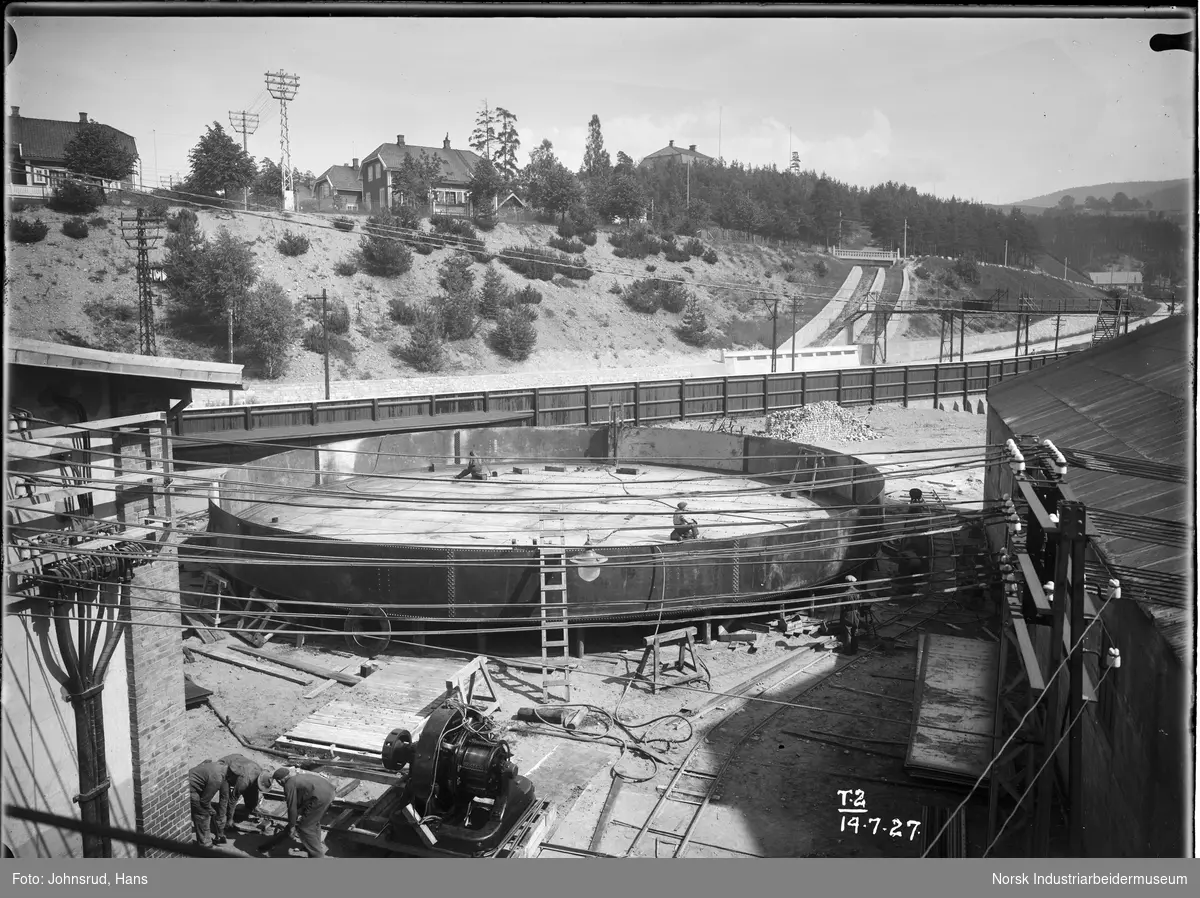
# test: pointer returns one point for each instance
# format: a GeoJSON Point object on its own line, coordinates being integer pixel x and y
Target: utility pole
{"type": "Point", "coordinates": [283, 88]}
{"type": "Point", "coordinates": [1064, 268]}
{"type": "Point", "coordinates": [140, 232]}
{"type": "Point", "coordinates": [325, 335]}
{"type": "Point", "coordinates": [1005, 253]}
{"type": "Point", "coordinates": [720, 119]}
{"type": "Point", "coordinates": [793, 333]}
{"type": "Point", "coordinates": [689, 184]}
{"type": "Point", "coordinates": [247, 123]}
{"type": "Point", "coordinates": [229, 318]}
{"type": "Point", "coordinates": [906, 238]}
{"type": "Point", "coordinates": [1072, 520]}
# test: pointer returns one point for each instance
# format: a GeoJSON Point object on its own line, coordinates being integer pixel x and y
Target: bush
{"type": "Point", "coordinates": [965, 269]}
{"type": "Point", "coordinates": [183, 219]}
{"type": "Point", "coordinates": [403, 312]}
{"type": "Point", "coordinates": [615, 289]}
{"type": "Point", "coordinates": [515, 334]}
{"type": "Point", "coordinates": [336, 312]}
{"type": "Point", "coordinates": [24, 205]}
{"type": "Point", "coordinates": [342, 223]}
{"type": "Point", "coordinates": [573, 247]}
{"type": "Point", "coordinates": [494, 296]}
{"type": "Point", "coordinates": [673, 297]}
{"type": "Point", "coordinates": [346, 268]}
{"type": "Point", "coordinates": [458, 314]}
{"type": "Point", "coordinates": [652, 268]}
{"type": "Point", "coordinates": [405, 216]}
{"type": "Point", "coordinates": [694, 328]}
{"type": "Point", "coordinates": [787, 264]}
{"type": "Point", "coordinates": [384, 256]}
{"type": "Point", "coordinates": [528, 296]}
{"type": "Point", "coordinates": [206, 279]}
{"type": "Point", "coordinates": [98, 222]}
{"type": "Point", "coordinates": [426, 348]}
{"type": "Point", "coordinates": [542, 264]}
{"type": "Point", "coordinates": [114, 323]}
{"type": "Point", "coordinates": [292, 244]}
{"type": "Point", "coordinates": [710, 256]}
{"type": "Point", "coordinates": [635, 243]}
{"type": "Point", "coordinates": [455, 275]}
{"type": "Point", "coordinates": [425, 249]}
{"type": "Point", "coordinates": [650, 294]}
{"type": "Point", "coordinates": [922, 272]}
{"type": "Point", "coordinates": [677, 255]}
{"type": "Point", "coordinates": [485, 221]}
{"type": "Point", "coordinates": [23, 231]}
{"type": "Point", "coordinates": [269, 326]}
{"type": "Point", "coordinates": [588, 239]}
{"type": "Point", "coordinates": [695, 248]}
{"type": "Point", "coordinates": [820, 268]}
{"type": "Point", "coordinates": [77, 197]}
{"type": "Point", "coordinates": [75, 227]}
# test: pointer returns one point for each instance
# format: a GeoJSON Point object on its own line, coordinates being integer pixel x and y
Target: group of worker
{"type": "Point", "coordinates": [307, 796]}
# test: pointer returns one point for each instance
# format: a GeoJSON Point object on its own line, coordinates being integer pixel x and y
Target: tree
{"type": "Point", "coordinates": [455, 275]}
{"type": "Point", "coordinates": [596, 162]}
{"type": "Point", "coordinates": [493, 295]}
{"type": "Point", "coordinates": [694, 328]}
{"type": "Point", "coordinates": [1067, 203]}
{"type": "Point", "coordinates": [267, 188]}
{"type": "Point", "coordinates": [414, 177]}
{"type": "Point", "coordinates": [515, 334]}
{"type": "Point", "coordinates": [509, 142]}
{"type": "Point", "coordinates": [556, 190]}
{"type": "Point", "coordinates": [624, 158]}
{"type": "Point", "coordinates": [97, 150]}
{"type": "Point", "coordinates": [426, 348]}
{"type": "Point", "coordinates": [623, 198]}
{"type": "Point", "coordinates": [1120, 202]}
{"type": "Point", "coordinates": [383, 254]}
{"type": "Point", "coordinates": [484, 134]}
{"type": "Point", "coordinates": [269, 327]}
{"type": "Point", "coordinates": [209, 279]}
{"type": "Point", "coordinates": [219, 165]}
{"type": "Point", "coordinates": [485, 185]}
{"type": "Point", "coordinates": [743, 213]}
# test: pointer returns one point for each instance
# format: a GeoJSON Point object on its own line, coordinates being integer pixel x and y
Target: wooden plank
{"type": "Point", "coordinates": [314, 692]}
{"type": "Point", "coordinates": [1035, 505]}
{"type": "Point", "coordinates": [250, 665]}
{"type": "Point", "coordinates": [367, 775]}
{"type": "Point", "coordinates": [1035, 586]}
{"type": "Point", "coordinates": [287, 661]}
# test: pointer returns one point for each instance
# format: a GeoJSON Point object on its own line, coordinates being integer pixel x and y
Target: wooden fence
{"type": "Point", "coordinates": [643, 403]}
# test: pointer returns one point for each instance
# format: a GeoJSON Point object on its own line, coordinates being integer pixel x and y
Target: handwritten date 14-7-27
{"type": "Point", "coordinates": [857, 819]}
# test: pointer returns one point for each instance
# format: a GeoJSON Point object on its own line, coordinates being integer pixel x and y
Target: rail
{"type": "Point", "coordinates": [641, 403]}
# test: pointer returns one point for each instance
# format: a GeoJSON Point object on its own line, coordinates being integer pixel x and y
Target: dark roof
{"type": "Point", "coordinates": [340, 177]}
{"type": "Point", "coordinates": [673, 151]}
{"type": "Point", "coordinates": [1131, 397]}
{"type": "Point", "coordinates": [457, 165]}
{"type": "Point", "coordinates": [44, 140]}
{"type": "Point", "coordinates": [201, 375]}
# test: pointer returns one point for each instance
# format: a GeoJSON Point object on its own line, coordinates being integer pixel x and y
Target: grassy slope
{"type": "Point", "coordinates": [582, 326]}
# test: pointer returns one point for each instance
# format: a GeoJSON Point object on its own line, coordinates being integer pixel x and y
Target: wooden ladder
{"type": "Point", "coordinates": [1108, 321]}
{"type": "Point", "coordinates": [552, 582]}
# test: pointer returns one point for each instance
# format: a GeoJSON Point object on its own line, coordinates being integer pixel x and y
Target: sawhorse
{"type": "Point", "coordinates": [685, 637]}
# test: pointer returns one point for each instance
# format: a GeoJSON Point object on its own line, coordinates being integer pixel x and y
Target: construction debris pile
{"type": "Point", "coordinates": [821, 420]}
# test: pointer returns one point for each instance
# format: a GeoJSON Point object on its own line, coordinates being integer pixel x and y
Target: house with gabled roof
{"type": "Point", "coordinates": [339, 186]}
{"type": "Point", "coordinates": [671, 153]}
{"type": "Point", "coordinates": [448, 194]}
{"type": "Point", "coordinates": [37, 153]}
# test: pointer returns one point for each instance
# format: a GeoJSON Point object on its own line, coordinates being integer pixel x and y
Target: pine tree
{"type": "Point", "coordinates": [484, 135]}
{"type": "Point", "coordinates": [505, 158]}
{"type": "Point", "coordinates": [494, 295]}
{"type": "Point", "coordinates": [694, 329]}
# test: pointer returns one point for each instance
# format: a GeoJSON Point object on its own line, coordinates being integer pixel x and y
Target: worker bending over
{"type": "Point", "coordinates": [206, 781]}
{"type": "Point", "coordinates": [308, 796]}
{"type": "Point", "coordinates": [247, 781]}
{"type": "Point", "coordinates": [685, 528]}
{"type": "Point", "coordinates": [474, 469]}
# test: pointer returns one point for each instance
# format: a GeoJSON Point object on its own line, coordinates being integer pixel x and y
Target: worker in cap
{"type": "Point", "coordinates": [849, 617]}
{"type": "Point", "coordinates": [247, 781]}
{"type": "Point", "coordinates": [685, 527]}
{"type": "Point", "coordinates": [209, 780]}
{"type": "Point", "coordinates": [915, 496]}
{"type": "Point", "coordinates": [475, 468]}
{"type": "Point", "coordinates": [308, 796]}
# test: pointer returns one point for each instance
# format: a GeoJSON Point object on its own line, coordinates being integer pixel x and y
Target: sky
{"type": "Point", "coordinates": [992, 109]}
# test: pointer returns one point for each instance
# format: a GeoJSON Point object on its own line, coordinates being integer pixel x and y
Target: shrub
{"type": "Point", "coordinates": [787, 264]}
{"type": "Point", "coordinates": [206, 279]}
{"type": "Point", "coordinates": [486, 221]}
{"type": "Point", "coordinates": [922, 272]}
{"type": "Point", "coordinates": [77, 197]}
{"type": "Point", "coordinates": [588, 239]}
{"type": "Point", "coordinates": [635, 243]}
{"type": "Point", "coordinates": [574, 247]}
{"type": "Point", "coordinates": [694, 328]}
{"type": "Point", "coordinates": [405, 216]}
{"type": "Point", "coordinates": [673, 297]}
{"type": "Point", "coordinates": [384, 256]}
{"type": "Point", "coordinates": [615, 289]}
{"type": "Point", "coordinates": [426, 348]}
{"type": "Point", "coordinates": [494, 296]}
{"type": "Point", "coordinates": [184, 218]}
{"type": "Point", "coordinates": [710, 256]}
{"type": "Point", "coordinates": [23, 231]}
{"type": "Point", "coordinates": [965, 269]}
{"type": "Point", "coordinates": [24, 205]}
{"type": "Point", "coordinates": [346, 268]}
{"type": "Point", "coordinates": [695, 248]}
{"type": "Point", "coordinates": [403, 312]}
{"type": "Point", "coordinates": [75, 227]}
{"type": "Point", "coordinates": [342, 223]}
{"type": "Point", "coordinates": [269, 326]}
{"type": "Point", "coordinates": [458, 314]}
{"type": "Point", "coordinates": [292, 244]}
{"type": "Point", "coordinates": [336, 312]}
{"type": "Point", "coordinates": [98, 222]}
{"type": "Point", "coordinates": [528, 296]}
{"type": "Point", "coordinates": [641, 297]}
{"type": "Point", "coordinates": [455, 275]}
{"type": "Point", "coordinates": [677, 255]}
{"type": "Point", "coordinates": [820, 268]}
{"type": "Point", "coordinates": [542, 264]}
{"type": "Point", "coordinates": [515, 334]}
{"type": "Point", "coordinates": [424, 249]}
{"type": "Point", "coordinates": [652, 268]}
{"type": "Point", "coordinates": [650, 294]}
{"type": "Point", "coordinates": [114, 323]}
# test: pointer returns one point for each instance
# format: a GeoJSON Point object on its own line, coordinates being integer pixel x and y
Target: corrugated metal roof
{"type": "Point", "coordinates": [45, 140]}
{"type": "Point", "coordinates": [341, 177]}
{"type": "Point", "coordinates": [457, 165]}
{"type": "Point", "coordinates": [1132, 397]}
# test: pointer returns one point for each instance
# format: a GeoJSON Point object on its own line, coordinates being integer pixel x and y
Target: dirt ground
{"type": "Point", "coordinates": [779, 795]}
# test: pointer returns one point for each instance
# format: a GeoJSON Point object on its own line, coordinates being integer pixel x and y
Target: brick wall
{"type": "Point", "coordinates": [156, 698]}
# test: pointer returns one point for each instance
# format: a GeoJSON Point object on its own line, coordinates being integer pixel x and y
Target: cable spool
{"type": "Point", "coordinates": [368, 629]}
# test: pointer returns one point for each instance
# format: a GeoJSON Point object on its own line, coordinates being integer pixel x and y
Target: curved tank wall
{"type": "Point", "coordinates": [457, 582]}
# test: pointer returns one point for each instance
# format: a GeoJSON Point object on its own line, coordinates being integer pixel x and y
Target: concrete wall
{"type": "Point", "coordinates": [758, 361]}
{"type": "Point", "coordinates": [41, 769]}
{"type": "Point", "coordinates": [826, 316]}
{"type": "Point", "coordinates": [1136, 743]}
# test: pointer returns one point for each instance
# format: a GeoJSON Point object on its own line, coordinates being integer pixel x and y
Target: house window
{"type": "Point", "coordinates": [41, 175]}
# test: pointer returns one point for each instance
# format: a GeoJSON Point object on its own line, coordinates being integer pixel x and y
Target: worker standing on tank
{"type": "Point", "coordinates": [474, 469]}
{"type": "Point", "coordinates": [206, 781]}
{"type": "Point", "coordinates": [308, 796]}
{"type": "Point", "coordinates": [247, 781]}
{"type": "Point", "coordinates": [685, 527]}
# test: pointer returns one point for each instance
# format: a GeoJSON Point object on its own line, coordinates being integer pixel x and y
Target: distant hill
{"type": "Point", "coordinates": [1165, 195]}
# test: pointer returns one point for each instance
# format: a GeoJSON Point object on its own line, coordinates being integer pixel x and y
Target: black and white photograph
{"type": "Point", "coordinates": [599, 431]}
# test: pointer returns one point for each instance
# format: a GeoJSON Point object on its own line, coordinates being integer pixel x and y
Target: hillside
{"type": "Point", "coordinates": [84, 292]}
{"type": "Point", "coordinates": [1165, 195]}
